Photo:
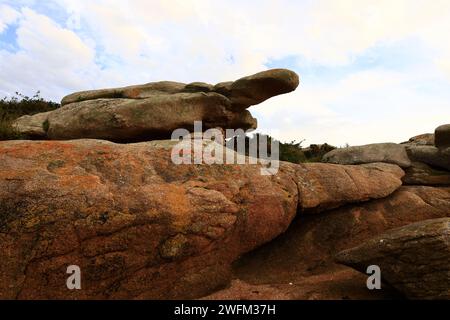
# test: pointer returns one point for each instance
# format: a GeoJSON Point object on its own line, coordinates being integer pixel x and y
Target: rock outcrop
{"type": "Point", "coordinates": [377, 152]}
{"type": "Point", "coordinates": [140, 226]}
{"type": "Point", "coordinates": [153, 111]}
{"type": "Point", "coordinates": [415, 258]}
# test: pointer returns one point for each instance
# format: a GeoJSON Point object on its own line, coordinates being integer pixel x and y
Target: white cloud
{"type": "Point", "coordinates": [45, 40]}
{"type": "Point", "coordinates": [7, 16]}
{"type": "Point", "coordinates": [50, 58]}
{"type": "Point", "coordinates": [364, 107]}
{"type": "Point", "coordinates": [112, 42]}
{"type": "Point", "coordinates": [185, 33]}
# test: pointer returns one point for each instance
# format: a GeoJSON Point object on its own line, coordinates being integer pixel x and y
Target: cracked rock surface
{"type": "Point", "coordinates": [140, 226]}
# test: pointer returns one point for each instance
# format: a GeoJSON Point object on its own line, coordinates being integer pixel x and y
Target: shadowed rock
{"type": "Point", "coordinates": [422, 174]}
{"type": "Point", "coordinates": [415, 258]}
{"type": "Point", "coordinates": [430, 155]}
{"type": "Point", "coordinates": [442, 136]}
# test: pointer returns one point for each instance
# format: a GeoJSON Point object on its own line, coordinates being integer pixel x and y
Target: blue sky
{"type": "Point", "coordinates": [371, 71]}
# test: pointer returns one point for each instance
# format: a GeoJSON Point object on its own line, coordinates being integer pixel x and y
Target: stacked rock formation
{"type": "Point", "coordinates": [142, 227]}
{"type": "Point", "coordinates": [154, 110]}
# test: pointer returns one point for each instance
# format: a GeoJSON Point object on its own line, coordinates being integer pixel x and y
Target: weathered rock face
{"type": "Point", "coordinates": [378, 152]}
{"type": "Point", "coordinates": [326, 186]}
{"type": "Point", "coordinates": [252, 90]}
{"type": "Point", "coordinates": [152, 111]}
{"type": "Point", "coordinates": [426, 139]}
{"type": "Point", "coordinates": [140, 226]}
{"type": "Point", "coordinates": [430, 155]}
{"type": "Point", "coordinates": [144, 119]}
{"type": "Point", "coordinates": [415, 258]}
{"type": "Point", "coordinates": [309, 245]}
{"type": "Point", "coordinates": [442, 136]}
{"type": "Point", "coordinates": [136, 224]}
{"type": "Point", "coordinates": [34, 126]}
{"type": "Point", "coordinates": [422, 174]}
{"type": "Point", "coordinates": [130, 92]}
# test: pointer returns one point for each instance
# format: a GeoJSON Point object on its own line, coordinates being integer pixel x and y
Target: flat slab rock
{"type": "Point", "coordinates": [153, 110]}
{"type": "Point", "coordinates": [415, 258]}
{"type": "Point", "coordinates": [325, 186]}
{"type": "Point", "coordinates": [140, 226]}
{"type": "Point", "coordinates": [377, 152]}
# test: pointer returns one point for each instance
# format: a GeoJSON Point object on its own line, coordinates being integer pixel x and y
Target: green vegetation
{"type": "Point", "coordinates": [290, 151]}
{"type": "Point", "coordinates": [46, 125]}
{"type": "Point", "coordinates": [17, 106]}
{"type": "Point", "coordinates": [295, 153]}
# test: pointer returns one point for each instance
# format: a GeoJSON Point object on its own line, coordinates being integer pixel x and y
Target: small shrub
{"type": "Point", "coordinates": [290, 151]}
{"type": "Point", "coordinates": [315, 152]}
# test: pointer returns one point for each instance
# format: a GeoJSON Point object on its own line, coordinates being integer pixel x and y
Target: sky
{"type": "Point", "coordinates": [370, 70]}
